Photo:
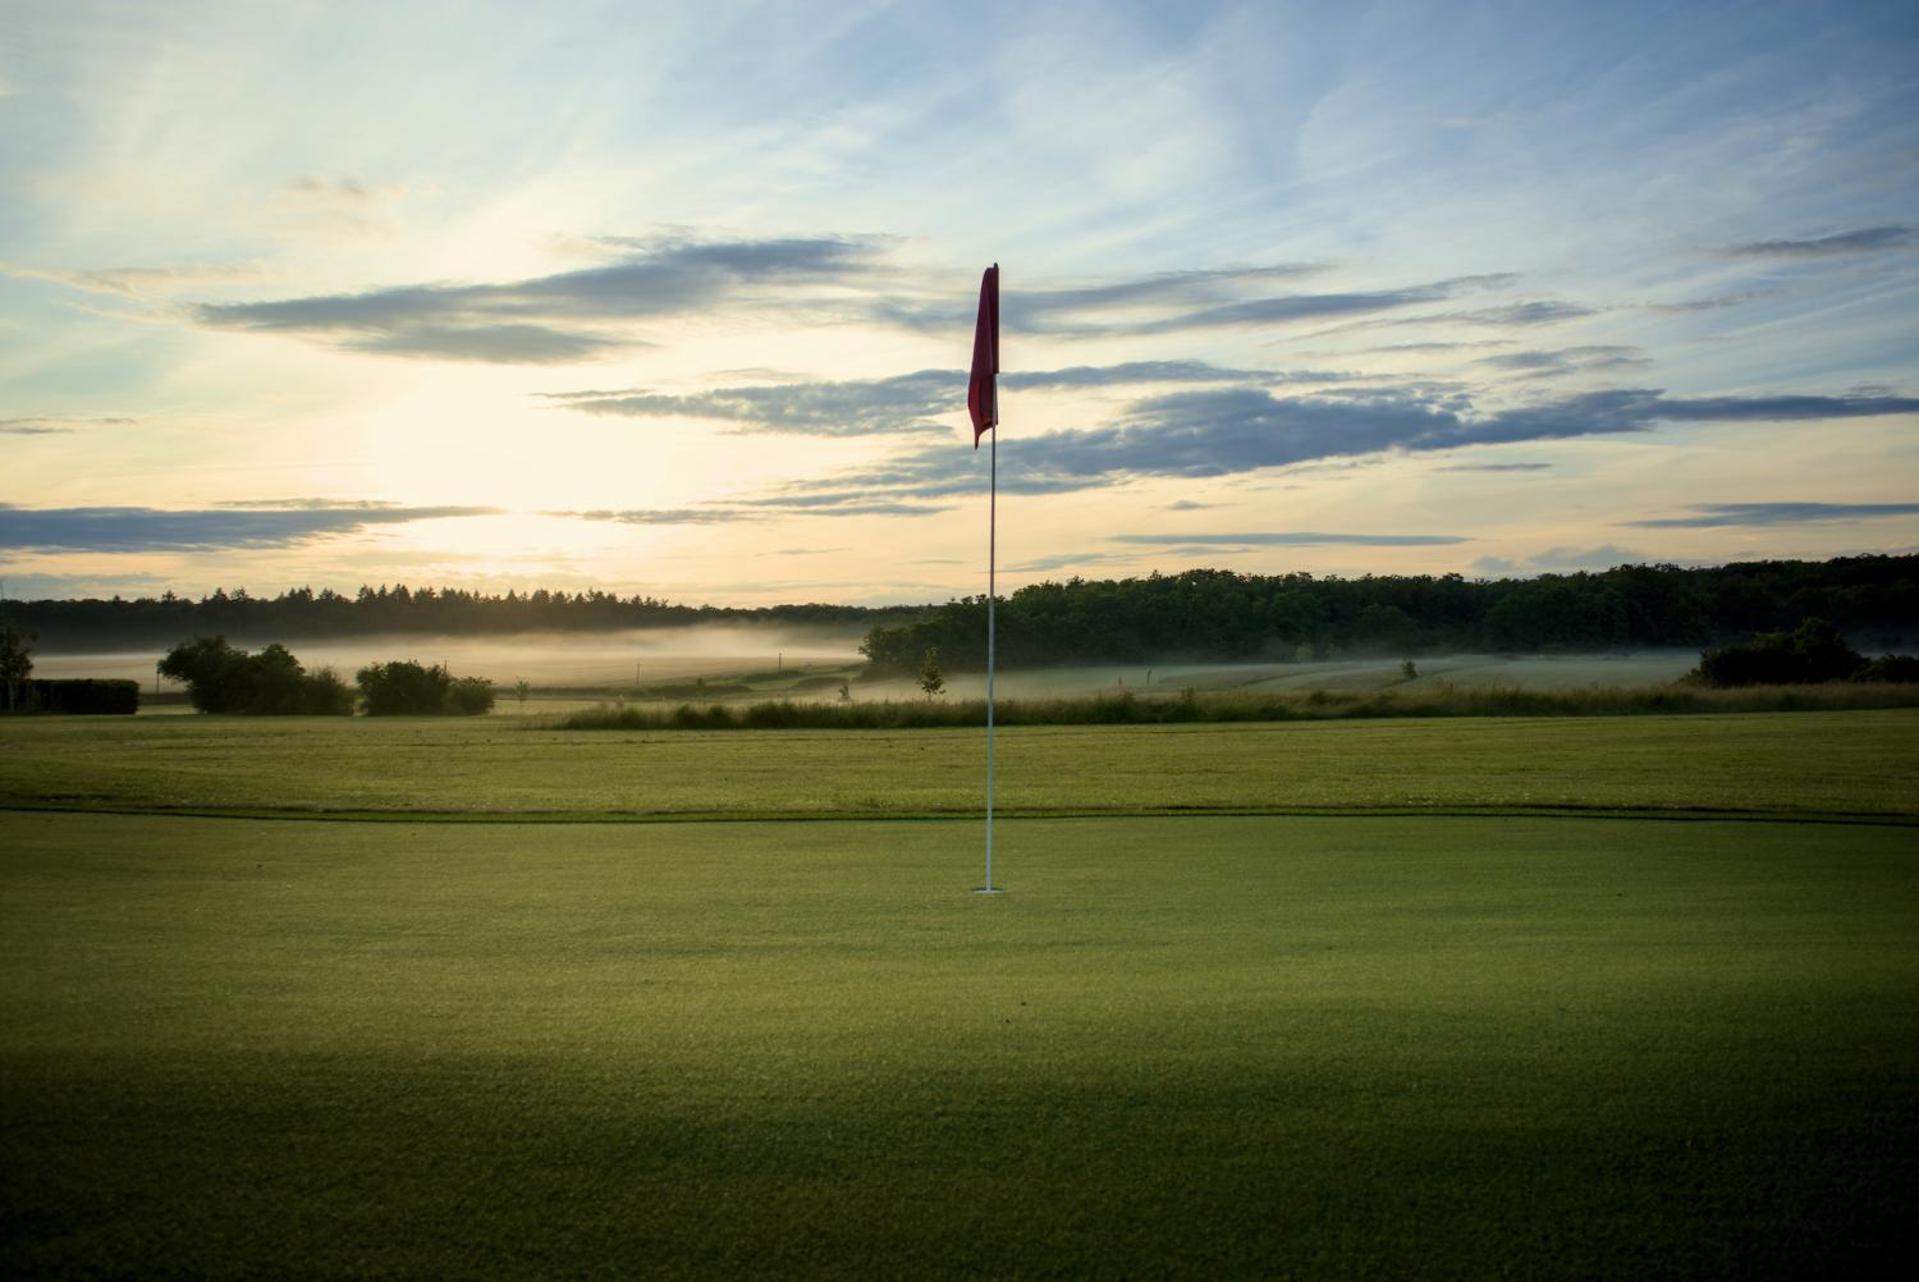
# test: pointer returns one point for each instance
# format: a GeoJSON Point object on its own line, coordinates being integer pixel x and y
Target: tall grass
{"type": "Point", "coordinates": [1127, 708]}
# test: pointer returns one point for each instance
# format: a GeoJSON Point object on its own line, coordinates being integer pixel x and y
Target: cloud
{"type": "Point", "coordinates": [312, 505]}
{"type": "Point", "coordinates": [1508, 316]}
{"type": "Point", "coordinates": [660, 516]}
{"type": "Point", "coordinates": [1864, 240]}
{"type": "Point", "coordinates": [904, 403]}
{"type": "Point", "coordinates": [1558, 363]}
{"type": "Point", "coordinates": [566, 316]}
{"type": "Point", "coordinates": [1180, 371]}
{"type": "Point", "coordinates": [1185, 505]}
{"type": "Point", "coordinates": [142, 282]}
{"type": "Point", "coordinates": [494, 344]}
{"type": "Point", "coordinates": [1296, 538]}
{"type": "Point", "coordinates": [1289, 308]}
{"type": "Point", "coordinates": [1061, 561]}
{"type": "Point", "coordinates": [1079, 309]}
{"type": "Point", "coordinates": [1224, 432]}
{"type": "Point", "coordinates": [1496, 467]}
{"type": "Point", "coordinates": [1560, 560]}
{"type": "Point", "coordinates": [347, 189]}
{"type": "Point", "coordinates": [145, 529]}
{"type": "Point", "coordinates": [1718, 514]}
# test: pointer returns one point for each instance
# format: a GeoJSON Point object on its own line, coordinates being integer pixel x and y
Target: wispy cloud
{"type": "Point", "coordinates": [1718, 514]}
{"type": "Point", "coordinates": [904, 403]}
{"type": "Point", "coordinates": [312, 505]}
{"type": "Point", "coordinates": [54, 426]}
{"type": "Point", "coordinates": [1560, 362]}
{"type": "Point", "coordinates": [660, 516]}
{"type": "Point", "coordinates": [1177, 371]}
{"type": "Point", "coordinates": [1863, 240]}
{"type": "Point", "coordinates": [1294, 538]}
{"type": "Point", "coordinates": [1559, 560]}
{"type": "Point", "coordinates": [1496, 467]}
{"type": "Point", "coordinates": [146, 529]}
{"type": "Point", "coordinates": [142, 282]}
{"type": "Point", "coordinates": [563, 317]}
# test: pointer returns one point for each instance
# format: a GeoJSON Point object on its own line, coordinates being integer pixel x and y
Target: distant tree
{"type": "Point", "coordinates": [931, 679]}
{"type": "Point", "coordinates": [1408, 670]}
{"type": "Point", "coordinates": [326, 695]}
{"type": "Point", "coordinates": [846, 693]}
{"type": "Point", "coordinates": [403, 688]}
{"type": "Point", "coordinates": [16, 662]}
{"type": "Point", "coordinates": [406, 688]}
{"type": "Point", "coordinates": [220, 678]}
{"type": "Point", "coordinates": [520, 691]}
{"type": "Point", "coordinates": [1386, 627]}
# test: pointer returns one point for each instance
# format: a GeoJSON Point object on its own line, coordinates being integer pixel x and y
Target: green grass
{"type": "Point", "coordinates": [1780, 764]}
{"type": "Point", "coordinates": [1191, 706]}
{"type": "Point", "coordinates": [1206, 1046]}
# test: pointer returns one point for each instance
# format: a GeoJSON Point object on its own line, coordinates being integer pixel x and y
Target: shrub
{"type": "Point", "coordinates": [1892, 669]}
{"type": "Point", "coordinates": [220, 678]}
{"type": "Point", "coordinates": [1815, 652]}
{"type": "Point", "coordinates": [403, 688]}
{"type": "Point", "coordinates": [85, 696]}
{"type": "Point", "coordinates": [469, 697]}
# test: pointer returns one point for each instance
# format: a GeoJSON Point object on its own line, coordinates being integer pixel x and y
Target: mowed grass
{"type": "Point", "coordinates": [1210, 1047]}
{"type": "Point", "coordinates": [1861, 762]}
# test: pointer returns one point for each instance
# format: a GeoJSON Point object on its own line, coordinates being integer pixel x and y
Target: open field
{"type": "Point", "coordinates": [1486, 1015]}
{"type": "Point", "coordinates": [1209, 1046]}
{"type": "Point", "coordinates": [1793, 763]}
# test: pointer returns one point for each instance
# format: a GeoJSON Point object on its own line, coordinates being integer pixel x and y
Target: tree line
{"type": "Point", "coordinates": [1220, 615]}
{"type": "Point", "coordinates": [304, 613]}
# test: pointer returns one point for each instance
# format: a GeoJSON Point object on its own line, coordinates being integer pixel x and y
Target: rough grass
{"type": "Point", "coordinates": [1192, 706]}
{"type": "Point", "coordinates": [1810, 763]}
{"type": "Point", "coordinates": [1217, 1047]}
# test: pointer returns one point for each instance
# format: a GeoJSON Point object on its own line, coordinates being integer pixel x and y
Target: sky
{"type": "Point", "coordinates": [677, 300]}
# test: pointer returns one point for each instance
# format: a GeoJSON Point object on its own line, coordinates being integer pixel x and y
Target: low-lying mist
{"type": "Point", "coordinates": [649, 655]}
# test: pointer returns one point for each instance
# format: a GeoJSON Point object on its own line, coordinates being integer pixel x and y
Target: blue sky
{"type": "Point", "coordinates": [676, 299]}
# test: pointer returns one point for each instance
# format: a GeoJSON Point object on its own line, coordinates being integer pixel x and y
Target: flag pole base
{"type": "Point", "coordinates": [989, 890]}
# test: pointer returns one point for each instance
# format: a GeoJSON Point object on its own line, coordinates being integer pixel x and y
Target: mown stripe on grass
{"type": "Point", "coordinates": [1675, 814]}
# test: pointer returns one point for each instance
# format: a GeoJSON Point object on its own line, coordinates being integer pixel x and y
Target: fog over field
{"type": "Point", "coordinates": [582, 665]}
{"type": "Point", "coordinates": [543, 658]}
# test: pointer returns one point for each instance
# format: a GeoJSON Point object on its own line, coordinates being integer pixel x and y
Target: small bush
{"type": "Point", "coordinates": [469, 697]}
{"type": "Point", "coordinates": [408, 689]}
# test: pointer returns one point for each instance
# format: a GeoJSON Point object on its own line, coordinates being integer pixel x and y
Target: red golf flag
{"type": "Point", "coordinates": [982, 390]}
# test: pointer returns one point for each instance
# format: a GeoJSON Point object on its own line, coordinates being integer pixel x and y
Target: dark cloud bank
{"type": "Point", "coordinates": [1208, 433]}
{"type": "Point", "coordinates": [146, 529]}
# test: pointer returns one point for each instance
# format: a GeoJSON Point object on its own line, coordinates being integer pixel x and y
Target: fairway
{"type": "Point", "coordinates": [1216, 1046]}
{"type": "Point", "coordinates": [1787, 764]}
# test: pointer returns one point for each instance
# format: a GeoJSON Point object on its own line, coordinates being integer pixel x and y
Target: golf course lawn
{"type": "Point", "coordinates": [1214, 1046]}
{"type": "Point", "coordinates": [1862, 762]}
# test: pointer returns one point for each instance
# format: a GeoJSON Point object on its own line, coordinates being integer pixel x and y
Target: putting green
{"type": "Point", "coordinates": [1213, 1046]}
